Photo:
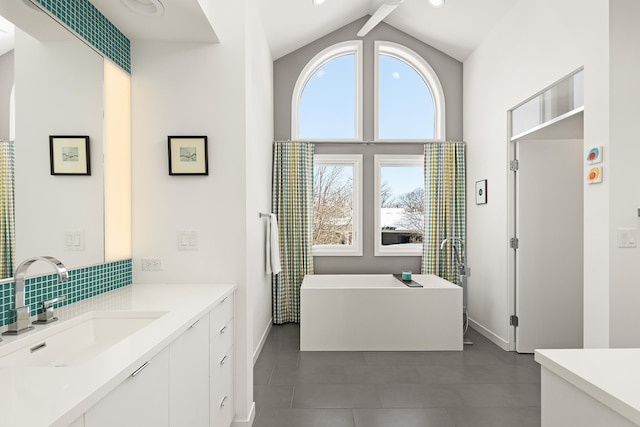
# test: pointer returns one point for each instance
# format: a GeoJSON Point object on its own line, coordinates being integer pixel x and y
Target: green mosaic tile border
{"type": "Point", "coordinates": [87, 21]}
{"type": "Point", "coordinates": [83, 283]}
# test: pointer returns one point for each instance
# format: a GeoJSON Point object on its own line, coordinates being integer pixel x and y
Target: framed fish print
{"type": "Point", "coordinates": [69, 155]}
{"type": "Point", "coordinates": [188, 155]}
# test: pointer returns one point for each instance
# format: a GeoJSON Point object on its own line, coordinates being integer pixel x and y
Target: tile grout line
{"type": "Point", "coordinates": [293, 392]}
{"type": "Point", "coordinates": [453, 423]}
{"type": "Point", "coordinates": [273, 368]}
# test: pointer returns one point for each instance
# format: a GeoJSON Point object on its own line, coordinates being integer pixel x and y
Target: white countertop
{"type": "Point", "coordinates": [57, 396]}
{"type": "Point", "coordinates": [609, 375]}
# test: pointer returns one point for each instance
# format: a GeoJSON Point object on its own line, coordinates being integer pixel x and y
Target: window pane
{"type": "Point", "coordinates": [402, 205]}
{"type": "Point", "coordinates": [328, 102]}
{"type": "Point", "coordinates": [561, 98]}
{"type": "Point", "coordinates": [405, 104]}
{"type": "Point", "coordinates": [333, 204]}
{"type": "Point", "coordinates": [526, 116]}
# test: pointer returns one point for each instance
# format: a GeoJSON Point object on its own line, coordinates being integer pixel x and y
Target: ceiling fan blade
{"type": "Point", "coordinates": [383, 11]}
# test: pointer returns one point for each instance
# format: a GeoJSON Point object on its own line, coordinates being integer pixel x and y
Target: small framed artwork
{"type": "Point", "coordinates": [481, 192]}
{"type": "Point", "coordinates": [188, 155]}
{"type": "Point", "coordinates": [69, 155]}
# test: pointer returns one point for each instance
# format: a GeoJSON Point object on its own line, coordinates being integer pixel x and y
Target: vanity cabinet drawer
{"type": "Point", "coordinates": [220, 316]}
{"type": "Point", "coordinates": [222, 404]}
{"type": "Point", "coordinates": [222, 342]}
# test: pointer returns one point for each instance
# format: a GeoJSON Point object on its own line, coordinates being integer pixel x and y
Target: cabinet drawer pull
{"type": "Point", "coordinates": [224, 328]}
{"type": "Point", "coordinates": [194, 324]}
{"type": "Point", "coordinates": [224, 359]}
{"type": "Point", "coordinates": [224, 399]}
{"type": "Point", "coordinates": [137, 371]}
{"type": "Point", "coordinates": [38, 347]}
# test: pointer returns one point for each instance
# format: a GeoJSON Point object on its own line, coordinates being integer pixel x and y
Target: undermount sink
{"type": "Point", "coordinates": [74, 341]}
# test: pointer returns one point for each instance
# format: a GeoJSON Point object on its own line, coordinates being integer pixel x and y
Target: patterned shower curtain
{"type": "Point", "coordinates": [445, 206]}
{"type": "Point", "coordinates": [7, 212]}
{"type": "Point", "coordinates": [292, 202]}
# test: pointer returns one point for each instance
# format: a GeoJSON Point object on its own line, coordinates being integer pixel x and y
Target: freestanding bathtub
{"type": "Point", "coordinates": [377, 312]}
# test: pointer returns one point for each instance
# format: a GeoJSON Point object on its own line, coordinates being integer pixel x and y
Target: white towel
{"type": "Point", "coordinates": [273, 246]}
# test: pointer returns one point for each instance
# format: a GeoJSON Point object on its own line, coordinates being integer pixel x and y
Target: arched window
{"type": "Point", "coordinates": [408, 96]}
{"type": "Point", "coordinates": [327, 97]}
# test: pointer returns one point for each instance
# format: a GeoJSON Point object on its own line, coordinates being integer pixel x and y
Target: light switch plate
{"type": "Point", "coordinates": [188, 240]}
{"type": "Point", "coordinates": [627, 237]}
{"type": "Point", "coordinates": [74, 240]}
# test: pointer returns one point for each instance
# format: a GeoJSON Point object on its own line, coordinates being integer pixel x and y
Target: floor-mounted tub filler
{"type": "Point", "coordinates": [377, 312]}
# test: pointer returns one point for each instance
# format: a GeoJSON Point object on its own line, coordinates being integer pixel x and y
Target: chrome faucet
{"type": "Point", "coordinates": [458, 246]}
{"type": "Point", "coordinates": [22, 311]}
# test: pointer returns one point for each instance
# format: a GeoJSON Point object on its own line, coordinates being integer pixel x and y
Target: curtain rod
{"type": "Point", "coordinates": [325, 142]}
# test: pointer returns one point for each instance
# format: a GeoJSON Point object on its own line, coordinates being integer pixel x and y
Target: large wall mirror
{"type": "Point", "coordinates": [51, 83]}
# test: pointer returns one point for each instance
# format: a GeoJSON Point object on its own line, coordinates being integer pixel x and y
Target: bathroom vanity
{"type": "Point", "coordinates": [144, 355]}
{"type": "Point", "coordinates": [590, 387]}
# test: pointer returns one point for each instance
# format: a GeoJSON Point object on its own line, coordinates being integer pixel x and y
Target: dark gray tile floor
{"type": "Point", "coordinates": [482, 386]}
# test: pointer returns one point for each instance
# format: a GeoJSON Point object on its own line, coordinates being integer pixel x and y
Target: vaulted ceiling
{"type": "Point", "coordinates": [456, 29]}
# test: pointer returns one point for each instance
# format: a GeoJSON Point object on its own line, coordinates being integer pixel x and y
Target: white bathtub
{"type": "Point", "coordinates": [377, 312]}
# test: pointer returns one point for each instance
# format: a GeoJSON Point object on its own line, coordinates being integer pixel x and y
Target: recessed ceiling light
{"type": "Point", "coordinates": [317, 2]}
{"type": "Point", "coordinates": [436, 3]}
{"type": "Point", "coordinates": [145, 7]}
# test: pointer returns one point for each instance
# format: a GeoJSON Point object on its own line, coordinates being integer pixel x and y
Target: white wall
{"type": "Point", "coordinates": [624, 172]}
{"type": "Point", "coordinates": [58, 92]}
{"type": "Point", "coordinates": [222, 91]}
{"type": "Point", "coordinates": [536, 44]}
{"type": "Point", "coordinates": [259, 139]}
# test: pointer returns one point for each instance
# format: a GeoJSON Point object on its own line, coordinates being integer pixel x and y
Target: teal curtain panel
{"type": "Point", "coordinates": [445, 206]}
{"type": "Point", "coordinates": [7, 208]}
{"type": "Point", "coordinates": [292, 203]}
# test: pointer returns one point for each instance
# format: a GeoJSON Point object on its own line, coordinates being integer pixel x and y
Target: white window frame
{"type": "Point", "coordinates": [332, 52]}
{"type": "Point", "coordinates": [380, 161]}
{"type": "Point", "coordinates": [430, 78]}
{"type": "Point", "coordinates": [354, 160]}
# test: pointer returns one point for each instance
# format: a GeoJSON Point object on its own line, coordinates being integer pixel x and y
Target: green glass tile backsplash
{"type": "Point", "coordinates": [83, 283]}
{"type": "Point", "coordinates": [87, 21]}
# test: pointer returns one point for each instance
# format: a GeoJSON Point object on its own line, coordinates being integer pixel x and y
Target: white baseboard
{"type": "Point", "coordinates": [249, 421]}
{"type": "Point", "coordinates": [263, 339]}
{"type": "Point", "coordinates": [505, 345]}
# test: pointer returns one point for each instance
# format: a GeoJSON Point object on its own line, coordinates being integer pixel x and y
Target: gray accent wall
{"type": "Point", "coordinates": [286, 71]}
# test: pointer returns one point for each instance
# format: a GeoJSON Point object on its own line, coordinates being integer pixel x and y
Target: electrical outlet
{"type": "Point", "coordinates": [151, 264]}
